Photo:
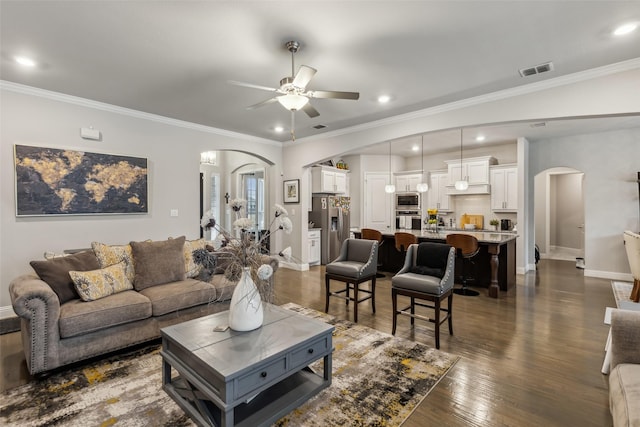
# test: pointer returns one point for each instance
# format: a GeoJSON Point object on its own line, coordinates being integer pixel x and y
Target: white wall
{"type": "Point", "coordinates": [173, 152]}
{"type": "Point", "coordinates": [610, 162]}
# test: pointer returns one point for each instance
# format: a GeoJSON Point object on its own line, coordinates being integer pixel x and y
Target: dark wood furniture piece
{"type": "Point", "coordinates": [466, 248]}
{"type": "Point", "coordinates": [425, 287]}
{"type": "Point", "coordinates": [403, 240]}
{"type": "Point", "coordinates": [356, 264]}
{"type": "Point", "coordinates": [495, 263]}
{"type": "Point", "coordinates": [245, 378]}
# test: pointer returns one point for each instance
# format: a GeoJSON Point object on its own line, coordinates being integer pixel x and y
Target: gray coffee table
{"type": "Point", "coordinates": [245, 378]}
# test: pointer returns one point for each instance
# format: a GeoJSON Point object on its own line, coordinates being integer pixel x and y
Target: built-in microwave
{"type": "Point", "coordinates": [406, 201]}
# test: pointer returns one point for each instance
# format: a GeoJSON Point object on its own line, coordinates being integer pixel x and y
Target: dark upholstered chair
{"type": "Point", "coordinates": [357, 263]}
{"type": "Point", "coordinates": [371, 234]}
{"type": "Point", "coordinates": [427, 274]}
{"type": "Point", "coordinates": [466, 248]}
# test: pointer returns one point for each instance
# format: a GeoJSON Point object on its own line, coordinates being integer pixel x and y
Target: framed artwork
{"type": "Point", "coordinates": [292, 191]}
{"type": "Point", "coordinates": [52, 181]}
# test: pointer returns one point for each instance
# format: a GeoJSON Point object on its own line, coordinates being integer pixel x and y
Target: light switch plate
{"type": "Point", "coordinates": [174, 212]}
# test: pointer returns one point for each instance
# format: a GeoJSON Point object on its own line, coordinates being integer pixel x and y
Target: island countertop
{"type": "Point", "coordinates": [483, 236]}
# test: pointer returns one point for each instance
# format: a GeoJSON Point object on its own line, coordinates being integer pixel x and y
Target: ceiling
{"type": "Point", "coordinates": [175, 58]}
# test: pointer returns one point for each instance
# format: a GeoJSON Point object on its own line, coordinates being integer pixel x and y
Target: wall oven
{"type": "Point", "coordinates": [407, 201]}
{"type": "Point", "coordinates": [408, 220]}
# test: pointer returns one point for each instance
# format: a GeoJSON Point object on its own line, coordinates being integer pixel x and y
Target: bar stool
{"type": "Point", "coordinates": [466, 248]}
{"type": "Point", "coordinates": [404, 240]}
{"type": "Point", "coordinates": [356, 264]}
{"type": "Point", "coordinates": [371, 234]}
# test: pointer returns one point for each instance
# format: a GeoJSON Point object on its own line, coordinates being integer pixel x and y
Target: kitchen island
{"type": "Point", "coordinates": [495, 264]}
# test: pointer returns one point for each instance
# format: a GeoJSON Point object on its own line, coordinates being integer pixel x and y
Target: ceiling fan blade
{"type": "Point", "coordinates": [250, 85]}
{"type": "Point", "coordinates": [333, 94]}
{"type": "Point", "coordinates": [311, 112]}
{"type": "Point", "coordinates": [304, 76]}
{"type": "Point", "coordinates": [262, 104]}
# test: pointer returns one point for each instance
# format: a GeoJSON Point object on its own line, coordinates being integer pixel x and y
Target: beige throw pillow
{"type": "Point", "coordinates": [96, 284]}
{"type": "Point", "coordinates": [158, 262]}
{"type": "Point", "coordinates": [191, 268]}
{"type": "Point", "coordinates": [113, 254]}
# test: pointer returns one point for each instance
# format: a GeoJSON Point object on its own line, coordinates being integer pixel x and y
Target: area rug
{"type": "Point", "coordinates": [378, 380]}
{"type": "Point", "coordinates": [622, 292]}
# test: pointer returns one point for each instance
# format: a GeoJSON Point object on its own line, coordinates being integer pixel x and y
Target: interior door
{"type": "Point", "coordinates": [378, 205]}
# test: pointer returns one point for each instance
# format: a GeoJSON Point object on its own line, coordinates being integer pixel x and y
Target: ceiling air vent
{"type": "Point", "coordinates": [537, 69]}
{"type": "Point", "coordinates": [320, 126]}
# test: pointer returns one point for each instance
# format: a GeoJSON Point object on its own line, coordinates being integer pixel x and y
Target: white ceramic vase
{"type": "Point", "coordinates": [245, 312]}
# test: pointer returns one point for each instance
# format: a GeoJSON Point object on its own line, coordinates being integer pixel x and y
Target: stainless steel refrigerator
{"type": "Point", "coordinates": [331, 214]}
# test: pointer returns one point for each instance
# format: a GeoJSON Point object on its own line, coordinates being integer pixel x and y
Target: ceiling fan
{"type": "Point", "coordinates": [293, 94]}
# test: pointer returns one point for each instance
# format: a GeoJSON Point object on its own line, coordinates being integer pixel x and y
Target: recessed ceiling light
{"type": "Point", "coordinates": [27, 62]}
{"type": "Point", "coordinates": [278, 128]}
{"type": "Point", "coordinates": [625, 29]}
{"type": "Point", "coordinates": [415, 148]}
{"type": "Point", "coordinates": [383, 99]}
{"type": "Point", "coordinates": [480, 138]}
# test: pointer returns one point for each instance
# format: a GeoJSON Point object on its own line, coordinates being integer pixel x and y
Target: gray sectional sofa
{"type": "Point", "coordinates": [58, 330]}
{"type": "Point", "coordinates": [624, 378]}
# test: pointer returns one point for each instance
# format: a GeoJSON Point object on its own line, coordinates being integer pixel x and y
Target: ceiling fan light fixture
{"type": "Point", "coordinates": [293, 102]}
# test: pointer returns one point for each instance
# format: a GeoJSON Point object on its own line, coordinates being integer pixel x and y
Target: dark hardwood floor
{"type": "Point", "coordinates": [530, 358]}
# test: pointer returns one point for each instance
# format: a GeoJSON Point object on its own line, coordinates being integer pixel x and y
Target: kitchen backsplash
{"type": "Point", "coordinates": [476, 205]}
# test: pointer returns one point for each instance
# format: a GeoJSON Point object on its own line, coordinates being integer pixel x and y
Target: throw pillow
{"type": "Point", "coordinates": [428, 271]}
{"type": "Point", "coordinates": [158, 262]}
{"type": "Point", "coordinates": [191, 267]}
{"type": "Point", "coordinates": [55, 272]}
{"type": "Point", "coordinates": [113, 254]}
{"type": "Point", "coordinates": [96, 284]}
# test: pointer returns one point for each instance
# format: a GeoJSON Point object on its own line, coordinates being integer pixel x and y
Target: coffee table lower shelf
{"type": "Point", "coordinates": [267, 407]}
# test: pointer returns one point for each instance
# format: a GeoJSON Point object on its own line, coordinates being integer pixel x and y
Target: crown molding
{"type": "Point", "coordinates": [89, 103]}
{"type": "Point", "coordinates": [568, 79]}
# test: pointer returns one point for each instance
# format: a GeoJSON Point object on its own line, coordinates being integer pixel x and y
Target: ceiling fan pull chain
{"type": "Point", "coordinates": [293, 126]}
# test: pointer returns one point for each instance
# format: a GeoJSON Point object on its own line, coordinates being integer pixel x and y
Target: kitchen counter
{"type": "Point", "coordinates": [495, 264]}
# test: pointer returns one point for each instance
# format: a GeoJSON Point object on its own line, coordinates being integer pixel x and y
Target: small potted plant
{"type": "Point", "coordinates": [494, 224]}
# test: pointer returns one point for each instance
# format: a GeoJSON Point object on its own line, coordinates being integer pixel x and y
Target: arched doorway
{"type": "Point", "coordinates": [559, 214]}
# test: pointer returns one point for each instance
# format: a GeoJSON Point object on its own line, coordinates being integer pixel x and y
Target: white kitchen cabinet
{"type": "Point", "coordinates": [326, 179]}
{"type": "Point", "coordinates": [407, 182]}
{"type": "Point", "coordinates": [504, 188]}
{"type": "Point", "coordinates": [474, 170]}
{"type": "Point", "coordinates": [314, 247]}
{"type": "Point", "coordinates": [437, 197]}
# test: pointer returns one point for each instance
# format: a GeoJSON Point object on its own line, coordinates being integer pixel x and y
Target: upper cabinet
{"type": "Point", "coordinates": [326, 179]}
{"type": "Point", "coordinates": [504, 188]}
{"type": "Point", "coordinates": [474, 170]}
{"type": "Point", "coordinates": [437, 197]}
{"type": "Point", "coordinates": [407, 181]}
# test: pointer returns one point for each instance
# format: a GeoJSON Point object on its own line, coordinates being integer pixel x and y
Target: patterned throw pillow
{"type": "Point", "coordinates": [113, 254]}
{"type": "Point", "coordinates": [96, 284]}
{"type": "Point", "coordinates": [191, 268]}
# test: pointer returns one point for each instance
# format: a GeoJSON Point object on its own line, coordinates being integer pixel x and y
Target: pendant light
{"type": "Point", "coordinates": [461, 185]}
{"type": "Point", "coordinates": [422, 186]}
{"type": "Point", "coordinates": [390, 188]}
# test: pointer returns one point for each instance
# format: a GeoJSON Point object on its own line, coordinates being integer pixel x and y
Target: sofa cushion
{"type": "Point", "coordinates": [79, 317]}
{"type": "Point", "coordinates": [55, 272]}
{"type": "Point", "coordinates": [96, 284]}
{"type": "Point", "coordinates": [624, 394]}
{"type": "Point", "coordinates": [158, 262]}
{"type": "Point", "coordinates": [112, 254]}
{"type": "Point", "coordinates": [174, 296]}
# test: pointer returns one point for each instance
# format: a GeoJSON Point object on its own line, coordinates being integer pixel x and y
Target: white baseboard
{"type": "Point", "coordinates": [294, 266]}
{"type": "Point", "coordinates": [613, 275]}
{"type": "Point", "coordinates": [7, 312]}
